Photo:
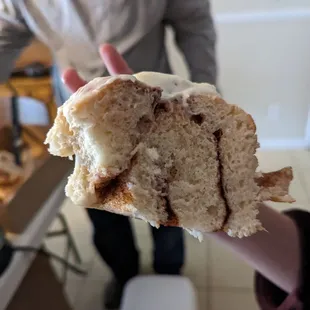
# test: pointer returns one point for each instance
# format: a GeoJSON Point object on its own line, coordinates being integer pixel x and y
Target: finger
{"type": "Point", "coordinates": [114, 62]}
{"type": "Point", "coordinates": [72, 80]}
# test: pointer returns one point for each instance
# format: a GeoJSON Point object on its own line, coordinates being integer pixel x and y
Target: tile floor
{"type": "Point", "coordinates": [222, 281]}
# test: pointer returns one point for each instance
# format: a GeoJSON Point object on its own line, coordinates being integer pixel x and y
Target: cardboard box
{"type": "Point", "coordinates": [42, 175]}
{"type": "Point", "coordinates": [33, 155]}
{"type": "Point", "coordinates": [30, 197]}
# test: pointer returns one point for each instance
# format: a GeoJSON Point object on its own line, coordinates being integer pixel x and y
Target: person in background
{"type": "Point", "coordinates": [73, 29]}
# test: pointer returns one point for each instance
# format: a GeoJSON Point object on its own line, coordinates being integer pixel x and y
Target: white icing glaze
{"type": "Point", "coordinates": [172, 85]}
{"type": "Point", "coordinates": [124, 77]}
{"type": "Point", "coordinates": [175, 86]}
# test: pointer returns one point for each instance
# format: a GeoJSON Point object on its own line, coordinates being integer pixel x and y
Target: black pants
{"type": "Point", "coordinates": [114, 240]}
{"type": "Point", "coordinates": [113, 235]}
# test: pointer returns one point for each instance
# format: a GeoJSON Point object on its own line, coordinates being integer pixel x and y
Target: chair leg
{"type": "Point", "coordinates": [71, 241]}
{"type": "Point", "coordinates": [66, 257]}
{"type": "Point", "coordinates": [70, 244]}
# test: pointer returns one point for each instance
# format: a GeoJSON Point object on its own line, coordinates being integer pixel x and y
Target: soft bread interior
{"type": "Point", "coordinates": [235, 134]}
{"type": "Point", "coordinates": [98, 125]}
{"type": "Point", "coordinates": [186, 179]}
{"type": "Point", "coordinates": [174, 177]}
{"type": "Point", "coordinates": [166, 150]}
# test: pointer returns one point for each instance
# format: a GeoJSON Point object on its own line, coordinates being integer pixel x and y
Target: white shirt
{"type": "Point", "coordinates": [73, 29]}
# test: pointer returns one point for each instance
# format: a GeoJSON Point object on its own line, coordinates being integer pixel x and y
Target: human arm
{"type": "Point", "coordinates": [14, 36]}
{"type": "Point", "coordinates": [274, 252]}
{"type": "Point", "coordinates": [195, 35]}
{"type": "Point", "coordinates": [281, 257]}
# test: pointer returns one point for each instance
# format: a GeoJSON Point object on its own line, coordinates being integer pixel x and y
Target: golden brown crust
{"type": "Point", "coordinates": [271, 179]}
{"type": "Point", "coordinates": [251, 123]}
{"type": "Point", "coordinates": [275, 185]}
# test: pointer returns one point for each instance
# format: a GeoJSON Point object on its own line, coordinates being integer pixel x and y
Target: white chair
{"type": "Point", "coordinates": [162, 292]}
{"type": "Point", "coordinates": [32, 112]}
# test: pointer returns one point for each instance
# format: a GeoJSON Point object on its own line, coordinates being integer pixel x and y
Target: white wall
{"type": "Point", "coordinates": [263, 53]}
{"type": "Point", "coordinates": [237, 6]}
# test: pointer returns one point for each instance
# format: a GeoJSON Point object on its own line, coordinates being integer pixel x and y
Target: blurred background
{"type": "Point", "coordinates": [264, 66]}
